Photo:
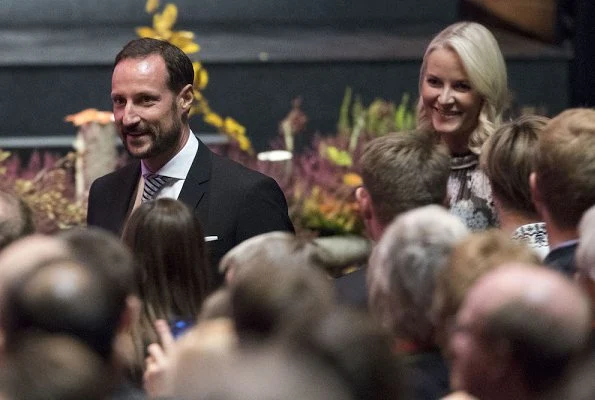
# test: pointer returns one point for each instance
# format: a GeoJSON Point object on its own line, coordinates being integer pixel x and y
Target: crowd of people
{"type": "Point", "coordinates": [190, 283]}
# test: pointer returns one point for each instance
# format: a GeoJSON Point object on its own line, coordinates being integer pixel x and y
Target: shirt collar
{"type": "Point", "coordinates": [567, 243]}
{"type": "Point", "coordinates": [180, 164]}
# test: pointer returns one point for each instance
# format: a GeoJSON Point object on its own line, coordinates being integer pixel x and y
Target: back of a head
{"type": "Point", "coordinates": [507, 160]}
{"type": "Point", "coordinates": [16, 220]}
{"type": "Point", "coordinates": [103, 251]}
{"type": "Point", "coordinates": [585, 252]}
{"type": "Point", "coordinates": [471, 258]}
{"type": "Point", "coordinates": [359, 351]}
{"type": "Point", "coordinates": [578, 385]}
{"type": "Point", "coordinates": [545, 326]}
{"type": "Point", "coordinates": [43, 366]}
{"type": "Point", "coordinates": [265, 372]}
{"type": "Point", "coordinates": [403, 269]}
{"type": "Point", "coordinates": [274, 249]}
{"type": "Point", "coordinates": [564, 166]}
{"type": "Point", "coordinates": [268, 301]}
{"type": "Point", "coordinates": [404, 170]}
{"type": "Point", "coordinates": [168, 243]}
{"type": "Point", "coordinates": [65, 297]}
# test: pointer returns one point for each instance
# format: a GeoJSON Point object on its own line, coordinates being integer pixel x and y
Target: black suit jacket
{"type": "Point", "coordinates": [562, 259]}
{"type": "Point", "coordinates": [231, 201]}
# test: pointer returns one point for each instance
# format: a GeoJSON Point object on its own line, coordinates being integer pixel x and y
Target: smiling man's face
{"type": "Point", "coordinates": [145, 109]}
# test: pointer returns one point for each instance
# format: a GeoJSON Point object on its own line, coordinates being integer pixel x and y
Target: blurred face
{"type": "Point", "coordinates": [450, 101]}
{"type": "Point", "coordinates": [471, 354]}
{"type": "Point", "coordinates": [146, 111]}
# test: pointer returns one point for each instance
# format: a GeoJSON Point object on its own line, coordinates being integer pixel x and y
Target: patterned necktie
{"type": "Point", "coordinates": [153, 184]}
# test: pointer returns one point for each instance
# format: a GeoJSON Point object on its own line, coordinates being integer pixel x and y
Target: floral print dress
{"type": "Point", "coordinates": [470, 194]}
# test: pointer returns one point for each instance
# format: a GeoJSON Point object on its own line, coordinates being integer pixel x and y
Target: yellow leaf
{"type": "Point", "coordinates": [214, 120]}
{"type": "Point", "coordinates": [339, 157]}
{"type": "Point", "coordinates": [244, 143]}
{"type": "Point", "coordinates": [198, 97]}
{"type": "Point", "coordinates": [187, 46]}
{"type": "Point", "coordinates": [184, 35]}
{"type": "Point", "coordinates": [232, 127]}
{"type": "Point", "coordinates": [352, 179]}
{"type": "Point", "coordinates": [4, 155]}
{"type": "Point", "coordinates": [163, 22]}
{"type": "Point", "coordinates": [151, 6]}
{"type": "Point", "coordinates": [146, 32]}
{"type": "Point", "coordinates": [201, 80]}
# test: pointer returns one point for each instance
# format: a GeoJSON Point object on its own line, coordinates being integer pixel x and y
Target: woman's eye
{"type": "Point", "coordinates": [463, 86]}
{"type": "Point", "coordinates": [433, 81]}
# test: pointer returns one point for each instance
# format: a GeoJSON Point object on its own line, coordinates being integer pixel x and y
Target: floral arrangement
{"type": "Point", "coordinates": [319, 182]}
{"type": "Point", "coordinates": [46, 185]}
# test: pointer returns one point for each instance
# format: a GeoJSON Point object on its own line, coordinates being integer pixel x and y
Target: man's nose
{"type": "Point", "coordinates": [130, 116]}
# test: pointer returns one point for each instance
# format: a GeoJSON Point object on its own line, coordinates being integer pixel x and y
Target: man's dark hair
{"type": "Point", "coordinates": [179, 66]}
{"type": "Point", "coordinates": [403, 171]}
{"type": "Point", "coordinates": [40, 366]}
{"type": "Point", "coordinates": [16, 219]}
{"type": "Point", "coordinates": [66, 297]}
{"type": "Point", "coordinates": [103, 251]}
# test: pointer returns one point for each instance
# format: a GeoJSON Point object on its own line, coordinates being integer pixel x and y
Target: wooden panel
{"type": "Point", "coordinates": [536, 17]}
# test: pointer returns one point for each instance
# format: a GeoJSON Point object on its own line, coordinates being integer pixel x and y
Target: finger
{"type": "Point", "coordinates": [165, 336]}
{"type": "Point", "coordinates": [157, 353]}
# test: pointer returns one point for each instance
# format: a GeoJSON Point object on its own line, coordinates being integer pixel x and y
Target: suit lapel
{"type": "Point", "coordinates": [196, 184]}
{"type": "Point", "coordinates": [124, 195]}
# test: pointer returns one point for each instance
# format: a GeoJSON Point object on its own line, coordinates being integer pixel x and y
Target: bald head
{"type": "Point", "coordinates": [24, 254]}
{"type": "Point", "coordinates": [524, 325]}
{"type": "Point", "coordinates": [63, 296]}
{"type": "Point", "coordinates": [540, 290]}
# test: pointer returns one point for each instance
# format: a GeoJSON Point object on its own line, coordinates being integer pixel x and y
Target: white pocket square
{"type": "Point", "coordinates": [211, 238]}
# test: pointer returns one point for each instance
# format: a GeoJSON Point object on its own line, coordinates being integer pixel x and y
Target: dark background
{"type": "Point", "coordinates": [57, 58]}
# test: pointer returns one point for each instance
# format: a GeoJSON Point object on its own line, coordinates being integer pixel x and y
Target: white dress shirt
{"type": "Point", "coordinates": [176, 168]}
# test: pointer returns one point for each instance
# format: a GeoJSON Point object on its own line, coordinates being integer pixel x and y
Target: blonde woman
{"type": "Point", "coordinates": [463, 93]}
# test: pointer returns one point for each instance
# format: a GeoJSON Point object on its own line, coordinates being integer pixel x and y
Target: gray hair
{"type": "Point", "coordinates": [403, 268]}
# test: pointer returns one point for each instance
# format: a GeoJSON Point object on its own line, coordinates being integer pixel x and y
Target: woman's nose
{"type": "Point", "coordinates": [446, 96]}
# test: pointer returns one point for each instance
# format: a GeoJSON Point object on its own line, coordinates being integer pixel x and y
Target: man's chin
{"type": "Point", "coordinates": [139, 152]}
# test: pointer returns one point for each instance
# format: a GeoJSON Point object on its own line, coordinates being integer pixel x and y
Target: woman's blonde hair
{"type": "Point", "coordinates": [484, 64]}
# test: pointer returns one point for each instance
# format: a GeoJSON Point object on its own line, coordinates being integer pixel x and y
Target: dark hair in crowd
{"type": "Point", "coordinates": [179, 66]}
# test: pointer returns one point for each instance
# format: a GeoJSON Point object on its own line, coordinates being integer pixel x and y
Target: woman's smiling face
{"type": "Point", "coordinates": [450, 101]}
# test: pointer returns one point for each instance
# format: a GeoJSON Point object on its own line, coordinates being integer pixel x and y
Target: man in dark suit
{"type": "Point", "coordinates": [562, 182]}
{"type": "Point", "coordinates": [152, 96]}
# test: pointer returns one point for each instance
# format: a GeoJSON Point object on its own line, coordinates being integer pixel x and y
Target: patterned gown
{"type": "Point", "coordinates": [470, 195]}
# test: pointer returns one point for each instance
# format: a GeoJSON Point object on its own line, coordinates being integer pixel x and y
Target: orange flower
{"type": "Point", "coordinates": [90, 115]}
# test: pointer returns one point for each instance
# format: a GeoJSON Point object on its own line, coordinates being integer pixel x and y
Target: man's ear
{"type": "Point", "coordinates": [186, 97]}
{"type": "Point", "coordinates": [365, 202]}
{"type": "Point", "coordinates": [130, 314]}
{"type": "Point", "coordinates": [535, 194]}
